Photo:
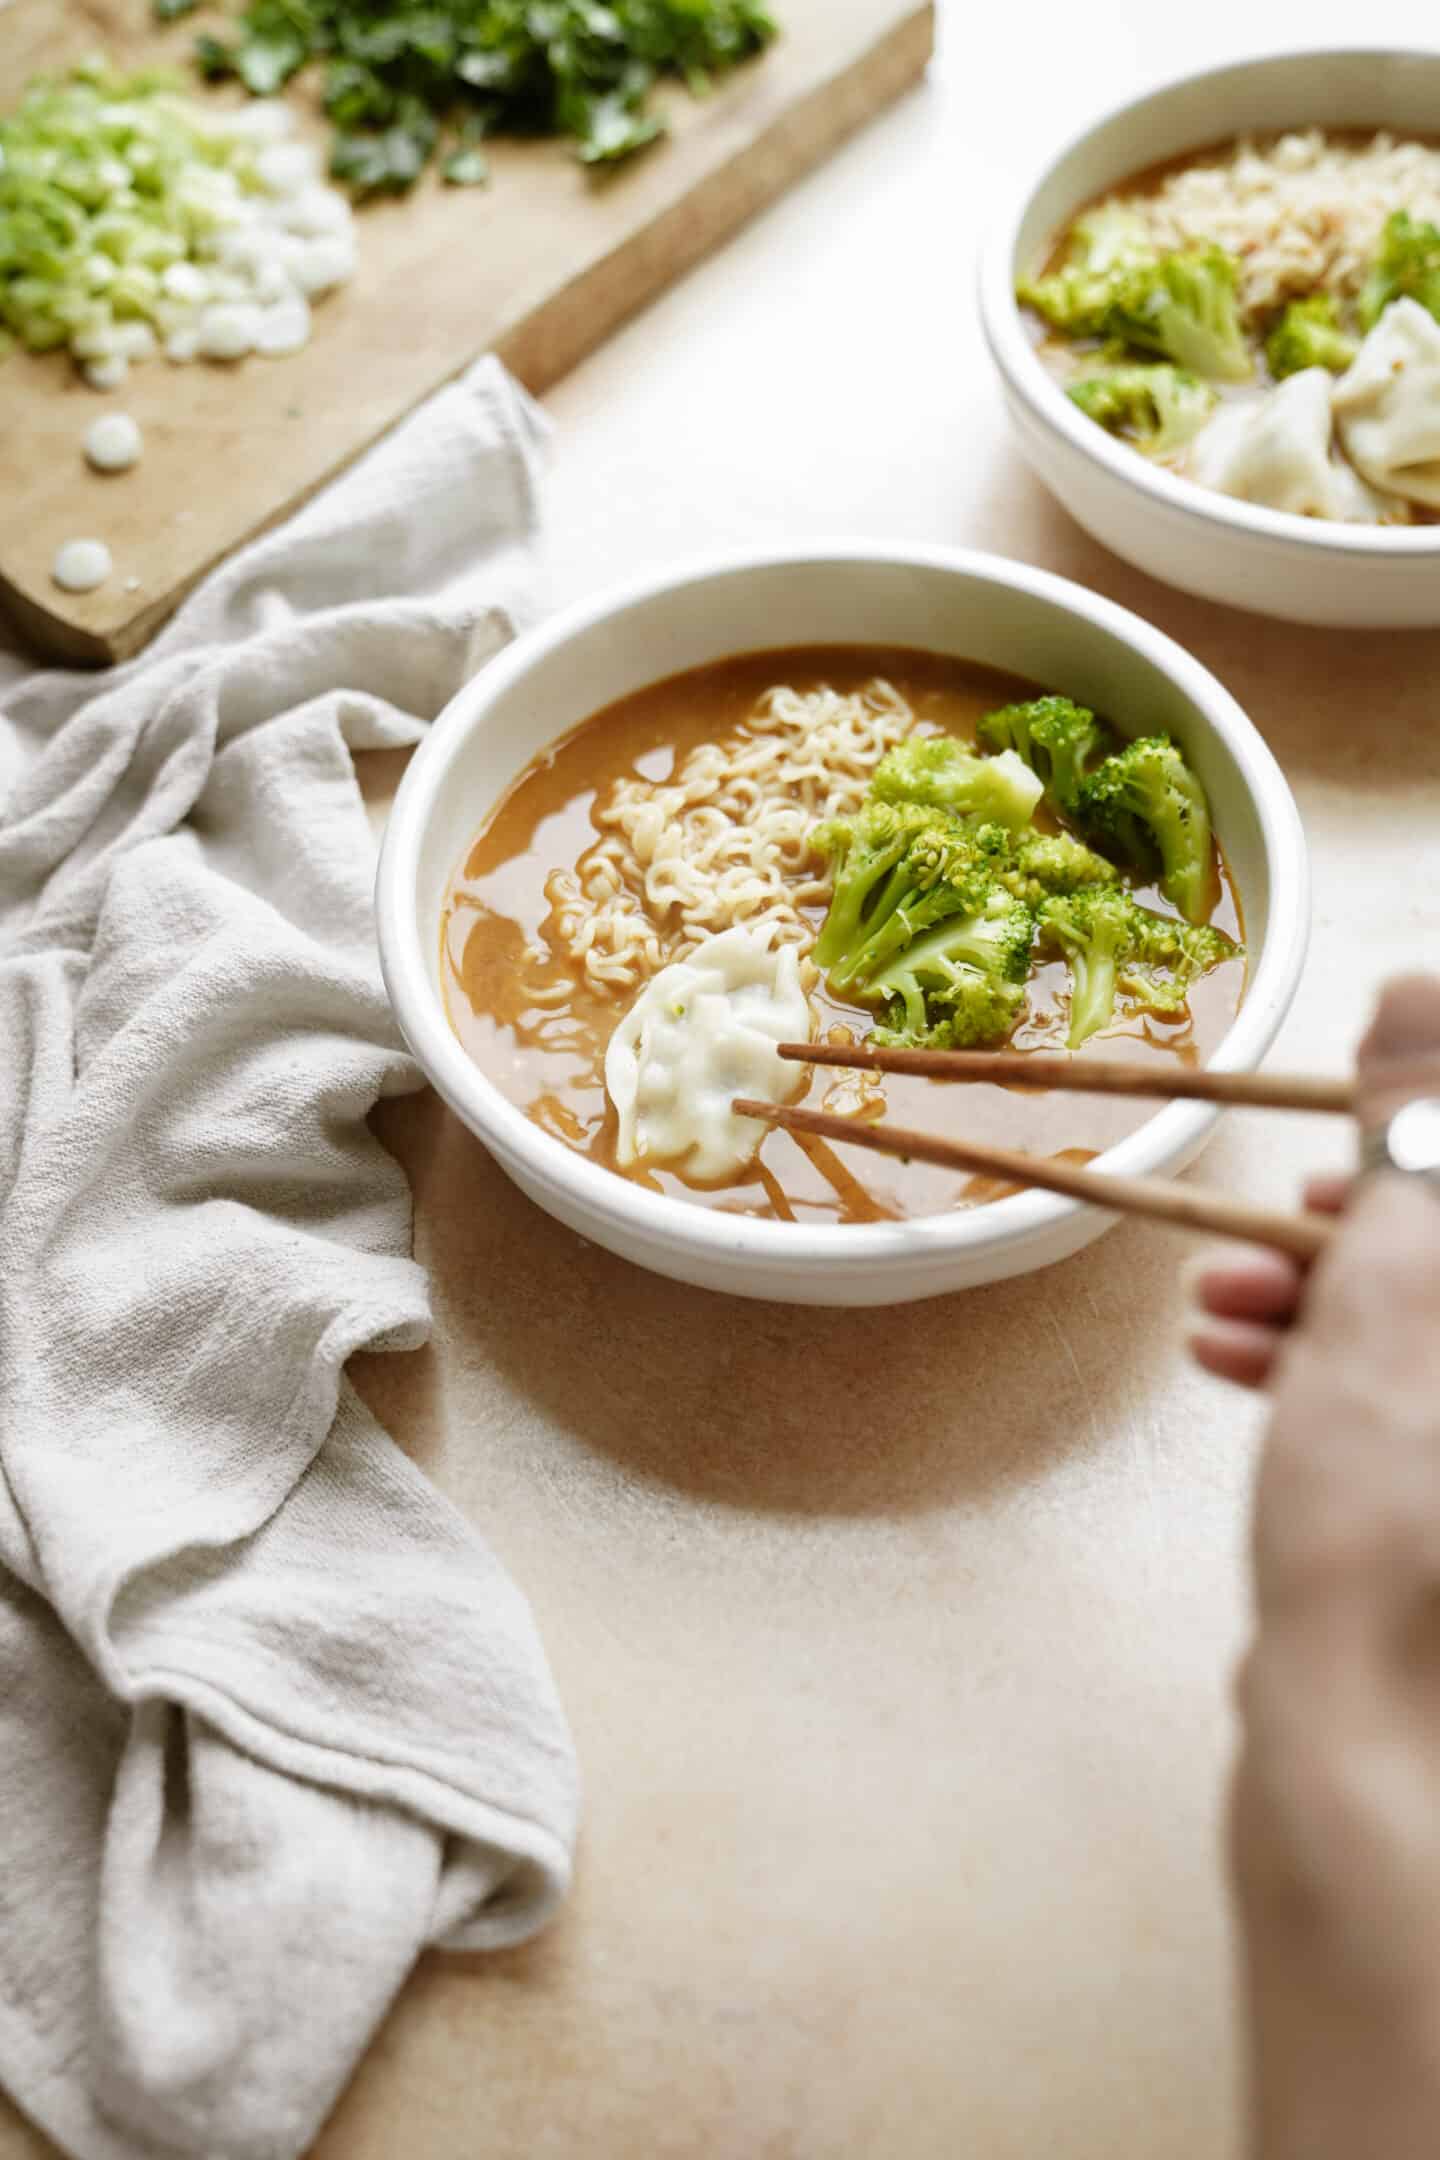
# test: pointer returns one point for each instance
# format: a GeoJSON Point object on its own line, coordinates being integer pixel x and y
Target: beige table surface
{"type": "Point", "coordinates": [897, 1646]}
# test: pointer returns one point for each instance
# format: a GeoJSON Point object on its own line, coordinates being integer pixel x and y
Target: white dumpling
{"type": "Point", "coordinates": [702, 1031]}
{"type": "Point", "coordinates": [1387, 404]}
{"type": "Point", "coordinates": [1276, 451]}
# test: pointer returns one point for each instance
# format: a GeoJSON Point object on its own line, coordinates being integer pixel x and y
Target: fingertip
{"type": "Point", "coordinates": [1244, 1282]}
{"type": "Point", "coordinates": [1328, 1193]}
{"type": "Point", "coordinates": [1406, 1023]}
{"type": "Point", "coordinates": [1239, 1351]}
{"type": "Point", "coordinates": [1196, 1269]}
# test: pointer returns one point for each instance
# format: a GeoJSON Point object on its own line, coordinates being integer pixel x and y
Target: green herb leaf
{"type": "Point", "coordinates": [582, 68]}
{"type": "Point", "coordinates": [612, 129]}
{"type": "Point", "coordinates": [356, 97]}
{"type": "Point", "coordinates": [172, 10]}
{"type": "Point", "coordinates": [466, 168]}
{"type": "Point", "coordinates": [388, 162]}
{"type": "Point", "coordinates": [214, 60]}
{"type": "Point", "coordinates": [266, 63]}
{"type": "Point", "coordinates": [491, 70]}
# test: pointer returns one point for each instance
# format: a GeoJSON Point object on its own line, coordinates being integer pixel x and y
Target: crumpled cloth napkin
{"type": "Point", "coordinates": [272, 1718]}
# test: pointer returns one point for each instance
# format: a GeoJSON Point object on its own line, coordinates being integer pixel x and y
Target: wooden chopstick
{"type": "Point", "coordinates": [1303, 1237]}
{"type": "Point", "coordinates": [1037, 1069]}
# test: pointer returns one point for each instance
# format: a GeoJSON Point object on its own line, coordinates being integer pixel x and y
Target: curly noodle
{"type": "Point", "coordinates": [725, 841]}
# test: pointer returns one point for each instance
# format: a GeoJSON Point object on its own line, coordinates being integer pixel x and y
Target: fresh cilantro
{"type": "Point", "coordinates": [266, 62]}
{"type": "Point", "coordinates": [466, 168]}
{"type": "Point", "coordinates": [610, 127]}
{"type": "Point", "coordinates": [467, 164]}
{"type": "Point", "coordinates": [213, 58]}
{"type": "Point", "coordinates": [397, 71]}
{"type": "Point", "coordinates": [387, 161]}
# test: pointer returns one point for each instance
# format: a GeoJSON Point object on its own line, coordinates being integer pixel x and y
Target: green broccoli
{"type": "Point", "coordinates": [1167, 958]}
{"type": "Point", "coordinates": [1185, 309]}
{"type": "Point", "coordinates": [862, 852]}
{"type": "Point", "coordinates": [1408, 265]}
{"type": "Point", "coordinates": [961, 889]}
{"type": "Point", "coordinates": [1182, 306]}
{"type": "Point", "coordinates": [1075, 299]}
{"type": "Point", "coordinates": [974, 1012]}
{"type": "Point", "coordinates": [1101, 248]}
{"type": "Point", "coordinates": [1093, 930]}
{"type": "Point", "coordinates": [1113, 947]}
{"type": "Point", "coordinates": [1055, 737]}
{"type": "Point", "coordinates": [1308, 335]}
{"type": "Point", "coordinates": [1038, 864]}
{"type": "Point", "coordinates": [918, 924]}
{"type": "Point", "coordinates": [1146, 805]}
{"type": "Point", "coordinates": [996, 940]}
{"type": "Point", "coordinates": [1157, 407]}
{"type": "Point", "coordinates": [941, 772]}
{"type": "Point", "coordinates": [893, 860]}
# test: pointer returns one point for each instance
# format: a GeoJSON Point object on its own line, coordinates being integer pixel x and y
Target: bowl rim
{"type": "Point", "coordinates": [651, 1219]}
{"type": "Point", "coordinates": [1026, 375]}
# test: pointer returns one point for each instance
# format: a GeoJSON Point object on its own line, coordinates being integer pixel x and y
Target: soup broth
{"type": "Point", "coordinates": [538, 1027]}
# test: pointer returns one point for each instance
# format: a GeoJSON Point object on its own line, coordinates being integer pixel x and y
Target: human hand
{"type": "Point", "coordinates": [1246, 1301]}
{"type": "Point", "coordinates": [1336, 1806]}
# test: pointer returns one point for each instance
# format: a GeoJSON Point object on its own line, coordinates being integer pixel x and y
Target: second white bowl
{"type": "Point", "coordinates": [1302, 569]}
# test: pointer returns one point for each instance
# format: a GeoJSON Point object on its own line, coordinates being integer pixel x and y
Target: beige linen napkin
{"type": "Point", "coordinates": [271, 1717]}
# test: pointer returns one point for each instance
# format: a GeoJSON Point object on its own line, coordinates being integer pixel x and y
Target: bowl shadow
{"type": "Point", "coordinates": [756, 1406]}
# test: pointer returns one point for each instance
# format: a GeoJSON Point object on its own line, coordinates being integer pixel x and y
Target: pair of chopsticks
{"type": "Point", "coordinates": [1303, 1237]}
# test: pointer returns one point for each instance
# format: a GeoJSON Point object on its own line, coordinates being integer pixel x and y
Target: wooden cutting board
{"type": "Point", "coordinates": [539, 267]}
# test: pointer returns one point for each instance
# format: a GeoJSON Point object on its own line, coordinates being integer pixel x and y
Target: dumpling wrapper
{"type": "Point", "coordinates": [701, 1031]}
{"type": "Point", "coordinates": [1387, 404]}
{"type": "Point", "coordinates": [1276, 452]}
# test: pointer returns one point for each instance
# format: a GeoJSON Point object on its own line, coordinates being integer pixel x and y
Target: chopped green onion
{"type": "Point", "coordinates": [132, 219]}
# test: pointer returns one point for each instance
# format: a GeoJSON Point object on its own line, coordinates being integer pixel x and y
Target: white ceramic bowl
{"type": "Point", "coordinates": [975, 606]}
{"type": "Point", "coordinates": [1302, 569]}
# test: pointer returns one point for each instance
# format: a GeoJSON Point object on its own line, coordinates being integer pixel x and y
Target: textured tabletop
{"type": "Point", "coordinates": [897, 1645]}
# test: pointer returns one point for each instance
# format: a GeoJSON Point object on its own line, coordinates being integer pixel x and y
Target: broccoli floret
{"type": "Point", "coordinates": [1075, 299]}
{"type": "Point", "coordinates": [1040, 864]}
{"type": "Point", "coordinates": [862, 852]}
{"type": "Point", "coordinates": [1113, 946]}
{"type": "Point", "coordinates": [940, 771]}
{"type": "Point", "coordinates": [1102, 246]}
{"type": "Point", "coordinates": [1092, 930]}
{"type": "Point", "coordinates": [1056, 738]}
{"type": "Point", "coordinates": [1168, 957]}
{"type": "Point", "coordinates": [1185, 308]}
{"type": "Point", "coordinates": [963, 889]}
{"type": "Point", "coordinates": [974, 1012]}
{"type": "Point", "coordinates": [898, 867]}
{"type": "Point", "coordinates": [1157, 407]}
{"type": "Point", "coordinates": [1146, 805]}
{"type": "Point", "coordinates": [996, 941]}
{"type": "Point", "coordinates": [1308, 335]}
{"type": "Point", "coordinates": [1181, 306]}
{"type": "Point", "coordinates": [1407, 266]}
